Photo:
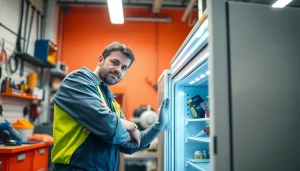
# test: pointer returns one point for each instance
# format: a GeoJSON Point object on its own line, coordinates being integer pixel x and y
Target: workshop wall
{"type": "Point", "coordinates": [10, 11]}
{"type": "Point", "coordinates": [87, 31]}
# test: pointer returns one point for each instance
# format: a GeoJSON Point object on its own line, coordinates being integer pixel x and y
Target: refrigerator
{"type": "Point", "coordinates": [165, 160]}
{"type": "Point", "coordinates": [234, 86]}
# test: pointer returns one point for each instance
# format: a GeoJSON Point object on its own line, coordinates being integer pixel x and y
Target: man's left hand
{"type": "Point", "coordinates": [163, 113]}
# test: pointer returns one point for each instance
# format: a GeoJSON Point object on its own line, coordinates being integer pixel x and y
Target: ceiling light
{"type": "Point", "coordinates": [115, 8]}
{"type": "Point", "coordinates": [281, 3]}
{"type": "Point", "coordinates": [197, 79]}
{"type": "Point", "coordinates": [207, 72]}
{"type": "Point", "coordinates": [202, 76]}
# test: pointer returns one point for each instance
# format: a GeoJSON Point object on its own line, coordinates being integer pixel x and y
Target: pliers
{"type": "Point", "coordinates": [3, 56]}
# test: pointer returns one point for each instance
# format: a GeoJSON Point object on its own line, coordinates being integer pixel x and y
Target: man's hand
{"type": "Point", "coordinates": [129, 126]}
{"type": "Point", "coordinates": [136, 135]}
{"type": "Point", "coordinates": [163, 113]}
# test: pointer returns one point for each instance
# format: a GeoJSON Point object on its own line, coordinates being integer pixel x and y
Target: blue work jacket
{"type": "Point", "coordinates": [77, 106]}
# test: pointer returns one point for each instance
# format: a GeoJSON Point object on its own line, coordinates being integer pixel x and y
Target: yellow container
{"type": "Point", "coordinates": [22, 124]}
{"type": "Point", "coordinates": [32, 80]}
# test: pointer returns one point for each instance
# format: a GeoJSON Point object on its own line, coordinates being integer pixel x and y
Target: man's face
{"type": "Point", "coordinates": [113, 68]}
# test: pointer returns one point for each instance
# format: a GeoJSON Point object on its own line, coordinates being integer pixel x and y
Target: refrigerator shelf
{"type": "Point", "coordinates": [187, 121]}
{"type": "Point", "coordinates": [200, 166]}
{"type": "Point", "coordinates": [198, 139]}
{"type": "Point", "coordinates": [200, 160]}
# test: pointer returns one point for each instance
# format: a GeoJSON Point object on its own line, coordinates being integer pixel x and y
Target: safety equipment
{"type": "Point", "coordinates": [114, 103]}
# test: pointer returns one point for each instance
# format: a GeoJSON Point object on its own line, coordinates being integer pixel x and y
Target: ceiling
{"type": "Point", "coordinates": [294, 3]}
{"type": "Point", "coordinates": [165, 3]}
{"type": "Point", "coordinates": [141, 3]}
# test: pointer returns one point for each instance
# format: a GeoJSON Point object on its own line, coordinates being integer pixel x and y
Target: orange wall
{"type": "Point", "coordinates": [87, 31]}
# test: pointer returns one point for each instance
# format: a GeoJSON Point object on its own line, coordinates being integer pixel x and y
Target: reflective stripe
{"type": "Point", "coordinates": [114, 103]}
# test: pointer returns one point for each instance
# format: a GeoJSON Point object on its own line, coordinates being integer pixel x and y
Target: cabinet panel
{"type": "Point", "coordinates": [21, 161]}
{"type": "Point", "coordinates": [40, 159]}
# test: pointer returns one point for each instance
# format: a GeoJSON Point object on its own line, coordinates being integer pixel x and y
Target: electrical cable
{"type": "Point", "coordinates": [16, 63]}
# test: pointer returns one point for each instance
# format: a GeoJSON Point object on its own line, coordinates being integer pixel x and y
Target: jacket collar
{"type": "Point", "coordinates": [98, 81]}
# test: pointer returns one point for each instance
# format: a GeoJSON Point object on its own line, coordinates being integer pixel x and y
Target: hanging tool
{"type": "Point", "coordinates": [25, 30]}
{"type": "Point", "coordinates": [3, 56]}
{"type": "Point", "coordinates": [33, 8]}
{"type": "Point", "coordinates": [42, 26]}
{"type": "Point", "coordinates": [14, 134]}
{"type": "Point", "coordinates": [28, 3]}
{"type": "Point", "coordinates": [38, 12]}
{"type": "Point", "coordinates": [18, 43]}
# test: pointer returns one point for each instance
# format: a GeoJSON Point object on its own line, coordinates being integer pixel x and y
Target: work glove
{"type": "Point", "coordinates": [163, 114]}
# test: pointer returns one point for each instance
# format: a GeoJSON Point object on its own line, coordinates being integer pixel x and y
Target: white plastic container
{"type": "Point", "coordinates": [24, 127]}
{"type": "Point", "coordinates": [25, 133]}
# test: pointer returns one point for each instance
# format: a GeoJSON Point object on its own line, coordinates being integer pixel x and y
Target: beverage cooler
{"type": "Point", "coordinates": [234, 90]}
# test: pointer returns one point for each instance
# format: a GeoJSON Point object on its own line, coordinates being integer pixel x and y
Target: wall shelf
{"type": "Point", "coordinates": [27, 97]}
{"type": "Point", "coordinates": [58, 74]}
{"type": "Point", "coordinates": [33, 60]}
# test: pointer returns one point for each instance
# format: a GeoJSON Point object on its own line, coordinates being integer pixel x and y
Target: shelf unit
{"type": "Point", "coordinates": [33, 60]}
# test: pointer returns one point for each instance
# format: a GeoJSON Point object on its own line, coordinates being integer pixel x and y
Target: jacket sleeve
{"type": "Point", "coordinates": [147, 136]}
{"type": "Point", "coordinates": [79, 97]}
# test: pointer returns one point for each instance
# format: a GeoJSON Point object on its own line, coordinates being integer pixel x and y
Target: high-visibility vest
{"type": "Point", "coordinates": [114, 103]}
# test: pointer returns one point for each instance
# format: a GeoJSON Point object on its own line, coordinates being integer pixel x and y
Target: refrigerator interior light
{"type": "Point", "coordinates": [192, 82]}
{"type": "Point", "coordinates": [115, 9]}
{"type": "Point", "coordinates": [281, 3]}
{"type": "Point", "coordinates": [202, 75]}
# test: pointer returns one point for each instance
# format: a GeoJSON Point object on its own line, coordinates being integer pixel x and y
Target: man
{"type": "Point", "coordinates": [89, 127]}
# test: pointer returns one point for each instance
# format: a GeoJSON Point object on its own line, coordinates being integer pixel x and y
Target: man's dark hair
{"type": "Point", "coordinates": [116, 46]}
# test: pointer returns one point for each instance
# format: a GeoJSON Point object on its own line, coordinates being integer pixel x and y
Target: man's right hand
{"type": "Point", "coordinates": [136, 135]}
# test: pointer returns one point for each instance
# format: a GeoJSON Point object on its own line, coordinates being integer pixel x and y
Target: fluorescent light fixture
{"type": "Point", "coordinates": [197, 79]}
{"type": "Point", "coordinates": [115, 8]}
{"type": "Point", "coordinates": [199, 42]}
{"type": "Point", "coordinates": [192, 82]}
{"type": "Point", "coordinates": [281, 3]}
{"type": "Point", "coordinates": [202, 76]}
{"type": "Point", "coordinates": [198, 34]}
{"type": "Point", "coordinates": [202, 28]}
{"type": "Point", "coordinates": [207, 72]}
{"type": "Point", "coordinates": [193, 67]}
